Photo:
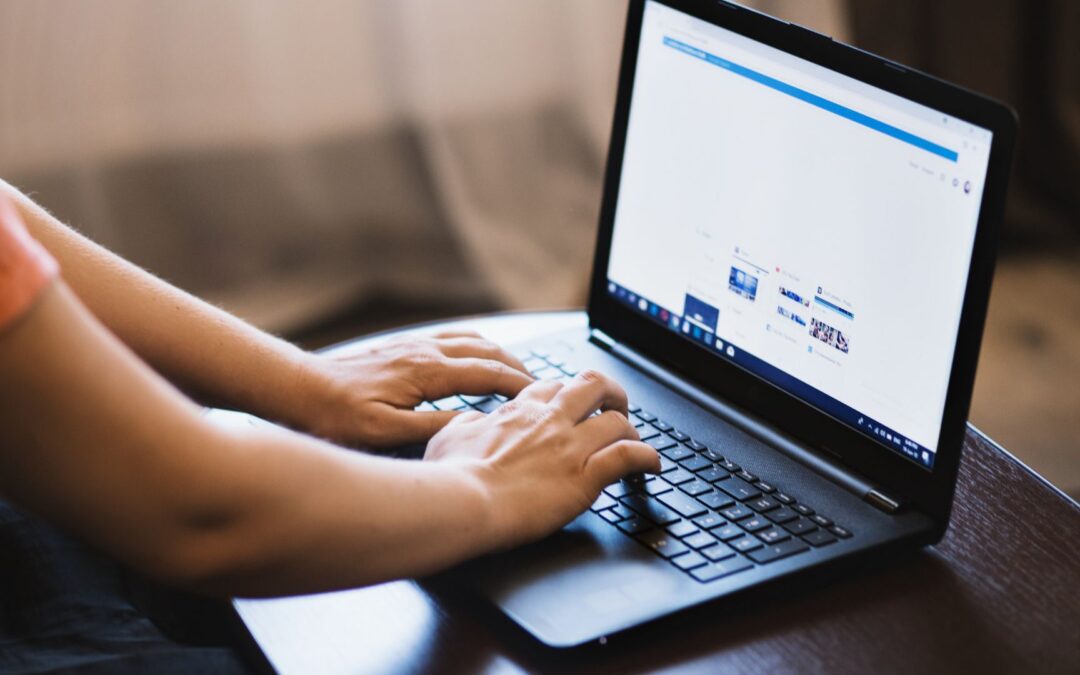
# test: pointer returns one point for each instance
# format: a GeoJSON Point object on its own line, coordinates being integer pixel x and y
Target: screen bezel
{"type": "Point", "coordinates": [930, 490]}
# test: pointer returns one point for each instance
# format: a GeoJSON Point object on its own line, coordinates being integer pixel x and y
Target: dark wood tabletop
{"type": "Point", "coordinates": [1000, 593]}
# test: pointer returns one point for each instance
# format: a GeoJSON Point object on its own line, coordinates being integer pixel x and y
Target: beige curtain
{"type": "Point", "coordinates": [287, 158]}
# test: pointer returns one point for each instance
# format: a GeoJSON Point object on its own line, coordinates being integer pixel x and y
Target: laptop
{"type": "Point", "coordinates": [794, 259]}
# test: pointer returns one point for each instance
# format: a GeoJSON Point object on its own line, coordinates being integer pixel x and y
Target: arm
{"type": "Point", "coordinates": [97, 442]}
{"type": "Point", "coordinates": [220, 359]}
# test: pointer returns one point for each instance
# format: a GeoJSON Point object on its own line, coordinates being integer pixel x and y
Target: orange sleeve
{"type": "Point", "coordinates": [26, 268]}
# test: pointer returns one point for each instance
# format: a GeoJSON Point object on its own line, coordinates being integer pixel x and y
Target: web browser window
{"type": "Point", "coordinates": [809, 227]}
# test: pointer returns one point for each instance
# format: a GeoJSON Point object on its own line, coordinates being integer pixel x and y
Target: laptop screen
{"type": "Point", "coordinates": [810, 228]}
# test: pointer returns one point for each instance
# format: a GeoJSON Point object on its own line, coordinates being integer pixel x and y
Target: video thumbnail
{"type": "Point", "coordinates": [743, 284]}
{"type": "Point", "coordinates": [792, 295]}
{"type": "Point", "coordinates": [787, 313]}
{"type": "Point", "coordinates": [829, 335]}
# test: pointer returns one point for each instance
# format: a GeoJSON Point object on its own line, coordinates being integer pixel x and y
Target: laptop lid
{"type": "Point", "coordinates": [805, 229]}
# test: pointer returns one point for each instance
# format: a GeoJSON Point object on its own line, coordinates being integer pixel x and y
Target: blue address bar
{"type": "Point", "coordinates": [815, 100]}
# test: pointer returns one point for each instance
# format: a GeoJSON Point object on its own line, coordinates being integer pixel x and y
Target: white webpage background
{"type": "Point", "coordinates": [715, 161]}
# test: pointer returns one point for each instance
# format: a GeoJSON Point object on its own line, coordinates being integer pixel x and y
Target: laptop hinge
{"type": "Point", "coordinates": [816, 461]}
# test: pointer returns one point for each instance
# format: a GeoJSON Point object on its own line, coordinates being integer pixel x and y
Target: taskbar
{"type": "Point", "coordinates": [702, 334]}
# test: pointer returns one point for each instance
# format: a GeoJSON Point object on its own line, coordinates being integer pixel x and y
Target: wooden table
{"type": "Point", "coordinates": [1001, 593]}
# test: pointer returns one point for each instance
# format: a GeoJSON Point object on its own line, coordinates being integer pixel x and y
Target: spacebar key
{"type": "Point", "coordinates": [650, 509]}
{"type": "Point", "coordinates": [687, 506]}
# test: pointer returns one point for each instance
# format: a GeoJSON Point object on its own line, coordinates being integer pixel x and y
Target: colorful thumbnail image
{"type": "Point", "coordinates": [787, 313]}
{"type": "Point", "coordinates": [743, 284]}
{"type": "Point", "coordinates": [792, 295]}
{"type": "Point", "coordinates": [828, 335]}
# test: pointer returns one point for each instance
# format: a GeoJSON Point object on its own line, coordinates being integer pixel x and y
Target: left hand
{"type": "Point", "coordinates": [367, 397]}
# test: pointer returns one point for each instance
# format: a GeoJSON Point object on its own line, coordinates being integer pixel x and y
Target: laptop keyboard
{"type": "Point", "coordinates": [703, 513]}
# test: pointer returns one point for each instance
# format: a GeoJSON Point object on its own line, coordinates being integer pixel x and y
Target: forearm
{"type": "Point", "coordinates": [95, 441]}
{"type": "Point", "coordinates": [209, 353]}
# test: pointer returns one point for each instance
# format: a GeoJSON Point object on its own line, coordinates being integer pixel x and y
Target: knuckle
{"type": "Point", "coordinates": [590, 375]}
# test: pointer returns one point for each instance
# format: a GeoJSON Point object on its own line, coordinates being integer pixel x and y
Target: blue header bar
{"type": "Point", "coordinates": [815, 100]}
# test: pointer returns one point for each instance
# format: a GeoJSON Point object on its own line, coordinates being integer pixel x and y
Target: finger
{"type": "Point", "coordinates": [477, 376]}
{"type": "Point", "coordinates": [588, 392]}
{"type": "Point", "coordinates": [606, 428]}
{"type": "Point", "coordinates": [448, 334]}
{"type": "Point", "coordinates": [409, 426]}
{"type": "Point", "coordinates": [463, 347]}
{"type": "Point", "coordinates": [540, 390]}
{"type": "Point", "coordinates": [609, 464]}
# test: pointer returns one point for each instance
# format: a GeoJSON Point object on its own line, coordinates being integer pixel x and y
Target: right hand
{"type": "Point", "coordinates": [541, 458]}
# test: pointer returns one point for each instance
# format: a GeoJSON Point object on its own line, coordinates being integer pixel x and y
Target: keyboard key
{"type": "Point", "coordinates": [800, 526]}
{"type": "Point", "coordinates": [695, 487]}
{"type": "Point", "coordinates": [678, 476]}
{"type": "Point", "coordinates": [634, 525]}
{"type": "Point", "coordinates": [819, 538]}
{"type": "Point", "coordinates": [784, 498]}
{"type": "Point", "coordinates": [696, 446]}
{"type": "Point", "coordinates": [717, 552]}
{"type": "Point", "coordinates": [622, 511]}
{"type": "Point", "coordinates": [603, 502]}
{"type": "Point", "coordinates": [713, 474]}
{"type": "Point", "coordinates": [667, 465]}
{"type": "Point", "coordinates": [648, 433]}
{"type": "Point", "coordinates": [821, 520]}
{"type": "Point", "coordinates": [611, 516]}
{"type": "Point", "coordinates": [663, 442]}
{"type": "Point", "coordinates": [712, 455]}
{"type": "Point", "coordinates": [662, 543]}
{"type": "Point", "coordinates": [696, 463]}
{"type": "Point", "coordinates": [739, 489]}
{"type": "Point", "coordinates": [765, 487]}
{"type": "Point", "coordinates": [728, 465]}
{"type": "Point", "coordinates": [777, 551]}
{"type": "Point", "coordinates": [637, 424]}
{"type": "Point", "coordinates": [744, 544]}
{"type": "Point", "coordinates": [657, 487]}
{"type": "Point", "coordinates": [746, 476]}
{"type": "Point", "coordinates": [840, 532]}
{"type": "Point", "coordinates": [662, 425]}
{"type": "Point", "coordinates": [773, 535]}
{"type": "Point", "coordinates": [683, 528]}
{"type": "Point", "coordinates": [617, 490]}
{"type": "Point", "coordinates": [650, 509]}
{"type": "Point", "coordinates": [736, 512]}
{"type": "Point", "coordinates": [689, 561]}
{"type": "Point", "coordinates": [716, 500]}
{"type": "Point", "coordinates": [679, 453]}
{"type": "Point", "coordinates": [727, 532]}
{"type": "Point", "coordinates": [679, 436]}
{"type": "Point", "coordinates": [803, 509]}
{"type": "Point", "coordinates": [645, 416]}
{"type": "Point", "coordinates": [781, 515]}
{"type": "Point", "coordinates": [633, 408]}
{"type": "Point", "coordinates": [473, 400]}
{"type": "Point", "coordinates": [716, 570]}
{"type": "Point", "coordinates": [488, 406]}
{"type": "Point", "coordinates": [685, 506]}
{"type": "Point", "coordinates": [425, 407]}
{"type": "Point", "coordinates": [448, 403]}
{"type": "Point", "coordinates": [709, 521]}
{"type": "Point", "coordinates": [754, 524]}
{"type": "Point", "coordinates": [763, 504]}
{"type": "Point", "coordinates": [699, 540]}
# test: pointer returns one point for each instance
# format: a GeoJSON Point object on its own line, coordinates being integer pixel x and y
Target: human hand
{"type": "Point", "coordinates": [368, 397]}
{"type": "Point", "coordinates": [542, 457]}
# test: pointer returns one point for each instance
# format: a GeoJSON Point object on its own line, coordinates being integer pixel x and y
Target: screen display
{"type": "Point", "coordinates": [812, 229]}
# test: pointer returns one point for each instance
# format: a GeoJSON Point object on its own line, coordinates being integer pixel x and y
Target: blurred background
{"type": "Point", "coordinates": [329, 168]}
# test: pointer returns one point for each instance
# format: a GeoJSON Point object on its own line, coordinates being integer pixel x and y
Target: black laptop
{"type": "Point", "coordinates": [795, 253]}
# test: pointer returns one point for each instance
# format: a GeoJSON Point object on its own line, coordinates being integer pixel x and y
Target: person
{"type": "Point", "coordinates": [100, 365]}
